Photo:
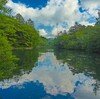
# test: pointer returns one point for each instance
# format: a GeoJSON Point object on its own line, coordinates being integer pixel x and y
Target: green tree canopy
{"type": "Point", "coordinates": [2, 3]}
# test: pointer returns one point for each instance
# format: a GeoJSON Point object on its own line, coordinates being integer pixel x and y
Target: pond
{"type": "Point", "coordinates": [52, 74]}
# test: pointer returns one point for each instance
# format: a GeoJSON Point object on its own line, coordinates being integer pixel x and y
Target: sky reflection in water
{"type": "Point", "coordinates": [50, 79]}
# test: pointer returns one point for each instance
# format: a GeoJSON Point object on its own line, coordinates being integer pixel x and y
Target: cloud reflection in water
{"type": "Point", "coordinates": [51, 77]}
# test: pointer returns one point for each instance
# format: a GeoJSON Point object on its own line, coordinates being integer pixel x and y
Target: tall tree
{"type": "Point", "coordinates": [98, 19]}
{"type": "Point", "coordinates": [20, 18]}
{"type": "Point", "coordinates": [30, 22]}
{"type": "Point", "coordinates": [75, 28]}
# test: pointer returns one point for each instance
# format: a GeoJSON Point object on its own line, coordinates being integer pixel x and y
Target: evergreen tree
{"type": "Point", "coordinates": [30, 22]}
{"type": "Point", "coordinates": [98, 19]}
{"type": "Point", "coordinates": [20, 18]}
{"type": "Point", "coordinates": [75, 28]}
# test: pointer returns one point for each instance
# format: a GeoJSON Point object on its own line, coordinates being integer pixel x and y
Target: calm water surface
{"type": "Point", "coordinates": [53, 75]}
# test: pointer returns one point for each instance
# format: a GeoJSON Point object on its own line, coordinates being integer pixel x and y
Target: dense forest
{"type": "Point", "coordinates": [80, 37]}
{"type": "Point", "coordinates": [15, 32]}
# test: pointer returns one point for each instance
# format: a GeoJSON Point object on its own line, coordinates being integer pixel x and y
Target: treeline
{"type": "Point", "coordinates": [46, 43]}
{"type": "Point", "coordinates": [80, 62]}
{"type": "Point", "coordinates": [80, 38]}
{"type": "Point", "coordinates": [17, 33]}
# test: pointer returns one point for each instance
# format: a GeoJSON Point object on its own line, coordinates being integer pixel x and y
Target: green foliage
{"type": "Point", "coordinates": [5, 50]}
{"type": "Point", "coordinates": [86, 39]}
{"type": "Point", "coordinates": [28, 58]}
{"type": "Point", "coordinates": [80, 62]}
{"type": "Point", "coordinates": [43, 42]}
{"type": "Point", "coordinates": [2, 3]}
{"type": "Point", "coordinates": [14, 33]}
{"type": "Point", "coordinates": [27, 61]}
{"type": "Point", "coordinates": [4, 9]}
{"type": "Point", "coordinates": [18, 34]}
{"type": "Point", "coordinates": [46, 43]}
{"type": "Point", "coordinates": [7, 59]}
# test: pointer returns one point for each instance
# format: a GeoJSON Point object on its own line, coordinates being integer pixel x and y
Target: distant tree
{"type": "Point", "coordinates": [75, 28]}
{"type": "Point", "coordinates": [30, 22]}
{"type": "Point", "coordinates": [98, 19]}
{"type": "Point", "coordinates": [8, 11]}
{"type": "Point", "coordinates": [18, 34]}
{"type": "Point", "coordinates": [20, 18]}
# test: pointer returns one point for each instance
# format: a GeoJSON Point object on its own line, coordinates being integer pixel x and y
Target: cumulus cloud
{"type": "Point", "coordinates": [92, 6]}
{"type": "Point", "coordinates": [86, 23]}
{"type": "Point", "coordinates": [60, 14]}
{"type": "Point", "coordinates": [56, 30]}
{"type": "Point", "coordinates": [42, 32]}
{"type": "Point", "coordinates": [90, 3]}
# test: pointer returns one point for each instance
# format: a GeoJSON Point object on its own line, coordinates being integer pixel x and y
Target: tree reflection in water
{"type": "Point", "coordinates": [82, 62]}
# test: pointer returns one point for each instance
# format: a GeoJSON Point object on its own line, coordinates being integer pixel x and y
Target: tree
{"type": "Point", "coordinates": [75, 28]}
{"type": "Point", "coordinates": [2, 3]}
{"type": "Point", "coordinates": [20, 18]}
{"type": "Point", "coordinates": [98, 19]}
{"type": "Point", "coordinates": [30, 22]}
{"type": "Point", "coordinates": [18, 34]}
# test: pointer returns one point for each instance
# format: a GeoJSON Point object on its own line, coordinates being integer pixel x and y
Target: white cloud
{"type": "Point", "coordinates": [91, 5]}
{"type": "Point", "coordinates": [42, 32]}
{"type": "Point", "coordinates": [22, 9]}
{"type": "Point", "coordinates": [57, 12]}
{"type": "Point", "coordinates": [57, 30]}
{"type": "Point", "coordinates": [86, 23]}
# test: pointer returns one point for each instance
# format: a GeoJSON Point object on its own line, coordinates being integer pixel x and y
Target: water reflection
{"type": "Point", "coordinates": [81, 62]}
{"type": "Point", "coordinates": [54, 77]}
{"type": "Point", "coordinates": [25, 62]}
{"type": "Point", "coordinates": [7, 69]}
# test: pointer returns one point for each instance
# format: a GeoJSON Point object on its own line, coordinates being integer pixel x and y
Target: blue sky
{"type": "Point", "coordinates": [52, 16]}
{"type": "Point", "coordinates": [33, 3]}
